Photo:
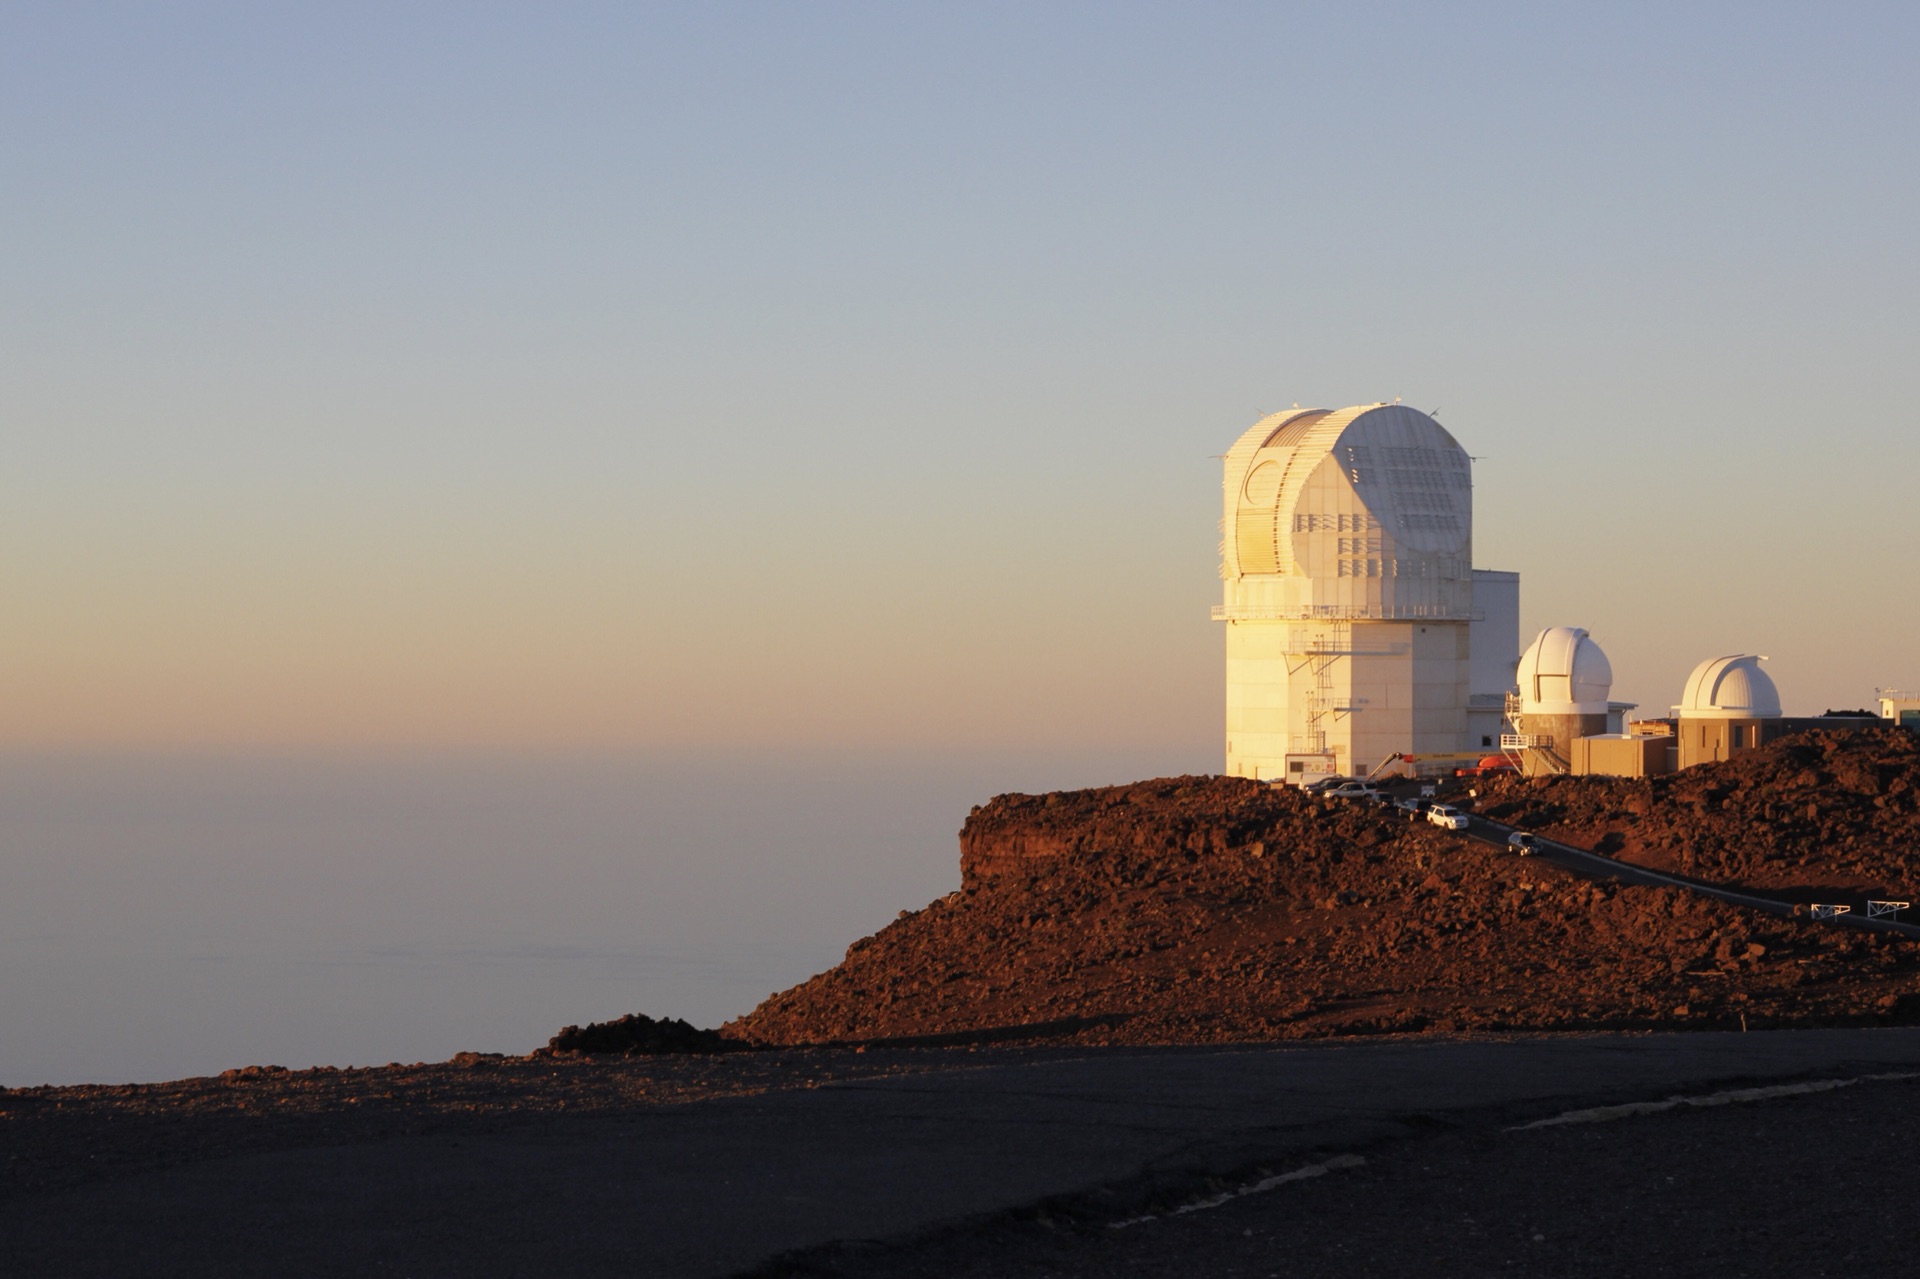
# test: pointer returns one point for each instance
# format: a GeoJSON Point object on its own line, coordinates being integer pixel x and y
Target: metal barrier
{"type": "Point", "coordinates": [1830, 910]}
{"type": "Point", "coordinates": [1876, 909]}
{"type": "Point", "coordinates": [1525, 741]}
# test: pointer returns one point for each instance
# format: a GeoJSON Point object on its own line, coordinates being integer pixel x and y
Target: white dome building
{"type": "Point", "coordinates": [1366, 512]}
{"type": "Point", "coordinates": [1563, 672]}
{"type": "Point", "coordinates": [1564, 680]}
{"type": "Point", "coordinates": [1349, 595]}
{"type": "Point", "coordinates": [1730, 705]}
{"type": "Point", "coordinates": [1730, 688]}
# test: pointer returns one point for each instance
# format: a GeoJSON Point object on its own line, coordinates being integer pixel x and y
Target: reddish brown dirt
{"type": "Point", "coordinates": [1210, 909]}
{"type": "Point", "coordinates": [1814, 816]}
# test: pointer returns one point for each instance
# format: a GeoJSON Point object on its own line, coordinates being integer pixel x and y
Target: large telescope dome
{"type": "Point", "coordinates": [1563, 672]}
{"type": "Point", "coordinates": [1730, 688]}
{"type": "Point", "coordinates": [1363, 512]}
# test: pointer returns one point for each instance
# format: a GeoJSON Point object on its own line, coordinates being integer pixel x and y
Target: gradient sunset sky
{"type": "Point", "coordinates": [751, 378]}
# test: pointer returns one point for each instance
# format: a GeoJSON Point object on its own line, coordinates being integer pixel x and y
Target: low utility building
{"type": "Point", "coordinates": [1900, 706]}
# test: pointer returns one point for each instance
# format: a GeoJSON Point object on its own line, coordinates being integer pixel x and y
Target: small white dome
{"type": "Point", "coordinates": [1730, 688]}
{"type": "Point", "coordinates": [1563, 672]}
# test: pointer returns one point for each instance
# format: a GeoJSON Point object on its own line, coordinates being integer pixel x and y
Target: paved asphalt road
{"type": "Point", "coordinates": [721, 1187]}
{"type": "Point", "coordinates": [1597, 866]}
{"type": "Point", "coordinates": [1786, 1188]}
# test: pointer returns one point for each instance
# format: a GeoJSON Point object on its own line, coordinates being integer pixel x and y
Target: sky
{"type": "Point", "coordinates": [761, 379]}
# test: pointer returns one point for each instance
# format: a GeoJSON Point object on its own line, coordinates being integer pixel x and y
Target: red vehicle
{"type": "Point", "coordinates": [1488, 764]}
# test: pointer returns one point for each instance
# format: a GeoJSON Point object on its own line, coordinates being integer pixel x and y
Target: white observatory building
{"type": "Point", "coordinates": [1564, 680]}
{"type": "Point", "coordinates": [1357, 627]}
{"type": "Point", "coordinates": [1730, 688]}
{"type": "Point", "coordinates": [1729, 705]}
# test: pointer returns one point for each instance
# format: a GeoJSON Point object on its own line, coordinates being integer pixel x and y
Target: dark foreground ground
{"type": "Point", "coordinates": [991, 1162]}
{"type": "Point", "coordinates": [1812, 1185]}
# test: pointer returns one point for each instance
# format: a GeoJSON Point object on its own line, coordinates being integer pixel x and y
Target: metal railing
{"type": "Point", "coordinates": [1339, 613]}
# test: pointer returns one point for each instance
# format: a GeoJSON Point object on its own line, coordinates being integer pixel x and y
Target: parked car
{"type": "Point", "coordinates": [1325, 784]}
{"type": "Point", "coordinates": [1523, 843]}
{"type": "Point", "coordinates": [1415, 809]}
{"type": "Point", "coordinates": [1448, 816]}
{"type": "Point", "coordinates": [1352, 790]}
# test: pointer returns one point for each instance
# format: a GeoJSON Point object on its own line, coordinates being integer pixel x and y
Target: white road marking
{"type": "Point", "coordinates": [1252, 1188]}
{"type": "Point", "coordinates": [1590, 1115]}
{"type": "Point", "coordinates": [1733, 1096]}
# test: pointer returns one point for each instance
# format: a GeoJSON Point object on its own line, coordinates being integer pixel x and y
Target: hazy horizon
{"type": "Point", "coordinates": [166, 918]}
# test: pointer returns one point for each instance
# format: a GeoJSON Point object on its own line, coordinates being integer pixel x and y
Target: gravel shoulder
{"type": "Point", "coordinates": [54, 1138]}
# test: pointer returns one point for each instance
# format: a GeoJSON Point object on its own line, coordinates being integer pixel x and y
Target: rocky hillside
{"type": "Point", "coordinates": [1206, 909]}
{"type": "Point", "coordinates": [1813, 816]}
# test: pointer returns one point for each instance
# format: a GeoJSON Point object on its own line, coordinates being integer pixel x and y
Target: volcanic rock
{"type": "Point", "coordinates": [1208, 909]}
{"type": "Point", "coordinates": [1813, 816]}
{"type": "Point", "coordinates": [637, 1033]}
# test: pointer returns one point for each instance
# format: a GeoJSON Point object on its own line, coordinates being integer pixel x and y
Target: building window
{"type": "Point", "coordinates": [1485, 741]}
{"type": "Point", "coordinates": [1736, 736]}
{"type": "Point", "coordinates": [1304, 523]}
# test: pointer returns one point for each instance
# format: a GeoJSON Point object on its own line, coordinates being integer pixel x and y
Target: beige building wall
{"type": "Point", "coordinates": [1620, 755]}
{"type": "Point", "coordinates": [1702, 741]}
{"type": "Point", "coordinates": [1564, 730]}
{"type": "Point", "coordinates": [1494, 639]}
{"type": "Point", "coordinates": [1260, 704]}
{"type": "Point", "coordinates": [1305, 698]}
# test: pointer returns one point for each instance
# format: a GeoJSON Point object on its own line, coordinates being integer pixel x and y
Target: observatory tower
{"type": "Point", "coordinates": [1350, 595]}
{"type": "Point", "coordinates": [1564, 682]}
{"type": "Point", "coordinates": [1730, 705]}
